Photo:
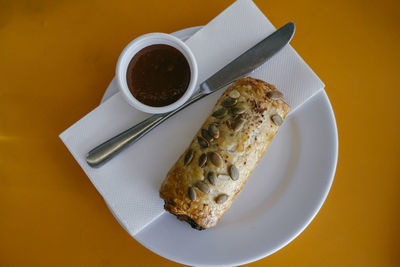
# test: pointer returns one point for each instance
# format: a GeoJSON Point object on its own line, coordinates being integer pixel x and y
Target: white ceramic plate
{"type": "Point", "coordinates": [283, 195]}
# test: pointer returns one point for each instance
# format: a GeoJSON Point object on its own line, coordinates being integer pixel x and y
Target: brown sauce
{"type": "Point", "coordinates": [158, 75]}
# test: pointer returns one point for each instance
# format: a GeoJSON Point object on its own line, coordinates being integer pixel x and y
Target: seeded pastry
{"type": "Point", "coordinates": [212, 171]}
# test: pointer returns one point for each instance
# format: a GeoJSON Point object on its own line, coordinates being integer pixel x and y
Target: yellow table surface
{"type": "Point", "coordinates": [56, 60]}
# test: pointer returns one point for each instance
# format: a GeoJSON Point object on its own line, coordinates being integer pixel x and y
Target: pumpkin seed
{"type": "Point", "coordinates": [234, 94]}
{"type": "Point", "coordinates": [188, 157]}
{"type": "Point", "coordinates": [238, 109]}
{"type": "Point", "coordinates": [277, 119]}
{"type": "Point", "coordinates": [203, 142]}
{"type": "Point", "coordinates": [229, 102]}
{"type": "Point", "coordinates": [212, 177]}
{"type": "Point", "coordinates": [239, 116]}
{"type": "Point", "coordinates": [274, 95]}
{"type": "Point", "coordinates": [203, 187]}
{"type": "Point", "coordinates": [219, 113]}
{"type": "Point", "coordinates": [237, 126]}
{"type": "Point", "coordinates": [234, 172]}
{"type": "Point", "coordinates": [213, 130]}
{"type": "Point", "coordinates": [191, 193]}
{"type": "Point", "coordinates": [206, 135]}
{"type": "Point", "coordinates": [202, 160]}
{"type": "Point", "coordinates": [229, 124]}
{"type": "Point", "coordinates": [221, 198]}
{"type": "Point", "coordinates": [216, 159]}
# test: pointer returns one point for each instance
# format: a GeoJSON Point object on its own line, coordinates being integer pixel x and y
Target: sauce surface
{"type": "Point", "coordinates": [158, 75]}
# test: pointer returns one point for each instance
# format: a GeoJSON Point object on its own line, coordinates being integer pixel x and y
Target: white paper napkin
{"type": "Point", "coordinates": [130, 182]}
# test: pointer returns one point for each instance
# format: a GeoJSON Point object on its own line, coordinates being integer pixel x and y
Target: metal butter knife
{"type": "Point", "coordinates": [242, 65]}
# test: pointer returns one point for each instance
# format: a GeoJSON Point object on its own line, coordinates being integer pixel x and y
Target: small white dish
{"type": "Point", "coordinates": [138, 44]}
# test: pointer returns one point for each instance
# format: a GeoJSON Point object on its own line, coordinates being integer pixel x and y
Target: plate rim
{"type": "Point", "coordinates": [185, 33]}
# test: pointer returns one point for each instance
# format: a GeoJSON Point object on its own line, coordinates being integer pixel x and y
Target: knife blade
{"type": "Point", "coordinates": [251, 59]}
{"type": "Point", "coordinates": [242, 65]}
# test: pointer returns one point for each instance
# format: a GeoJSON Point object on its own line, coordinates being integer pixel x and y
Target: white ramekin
{"type": "Point", "coordinates": [138, 44]}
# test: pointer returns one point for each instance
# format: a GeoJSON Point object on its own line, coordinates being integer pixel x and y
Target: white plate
{"type": "Point", "coordinates": [285, 192]}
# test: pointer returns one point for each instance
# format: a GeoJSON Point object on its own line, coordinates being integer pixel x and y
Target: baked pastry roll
{"type": "Point", "coordinates": [212, 171]}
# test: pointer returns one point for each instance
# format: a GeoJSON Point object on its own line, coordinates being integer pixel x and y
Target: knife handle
{"type": "Point", "coordinates": [116, 144]}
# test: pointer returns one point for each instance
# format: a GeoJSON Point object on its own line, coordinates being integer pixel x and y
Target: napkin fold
{"type": "Point", "coordinates": [130, 182]}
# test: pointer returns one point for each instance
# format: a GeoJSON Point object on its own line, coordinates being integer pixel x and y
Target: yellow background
{"type": "Point", "coordinates": [56, 60]}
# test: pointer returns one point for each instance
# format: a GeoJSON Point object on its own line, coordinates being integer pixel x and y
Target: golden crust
{"type": "Point", "coordinates": [243, 148]}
